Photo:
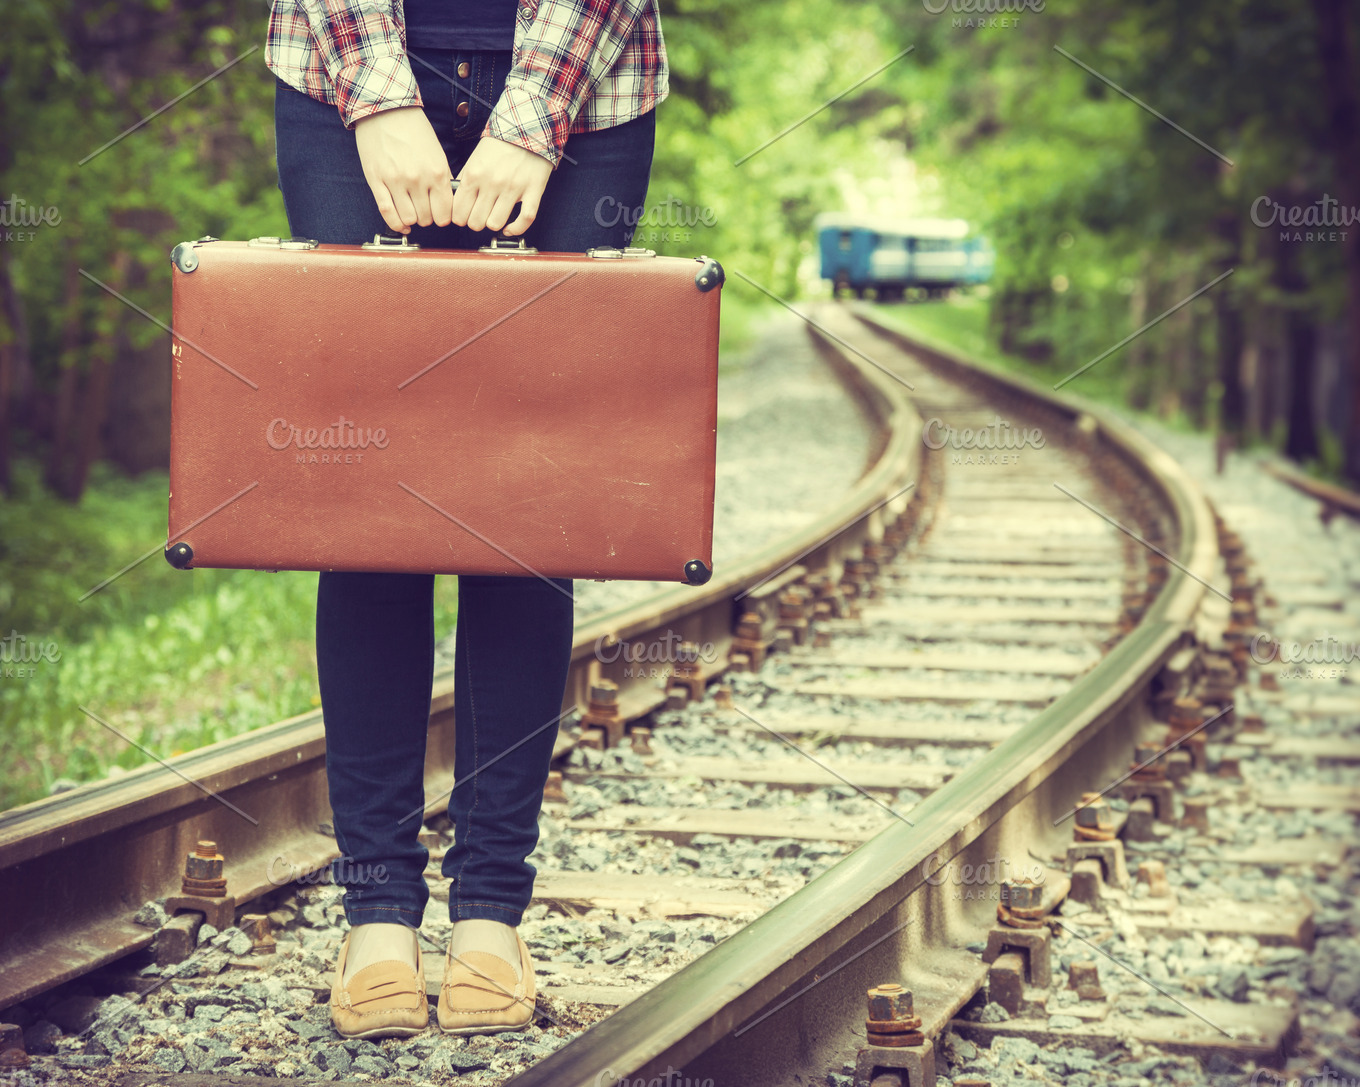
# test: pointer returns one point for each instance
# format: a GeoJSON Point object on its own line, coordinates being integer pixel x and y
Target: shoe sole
{"type": "Point", "coordinates": [384, 1032]}
{"type": "Point", "coordinates": [495, 1028]}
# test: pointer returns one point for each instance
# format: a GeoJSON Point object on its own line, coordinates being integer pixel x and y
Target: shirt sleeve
{"type": "Point", "coordinates": [363, 48]}
{"type": "Point", "coordinates": [570, 46]}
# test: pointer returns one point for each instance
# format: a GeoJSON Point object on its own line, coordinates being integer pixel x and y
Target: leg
{"type": "Point", "coordinates": [514, 633]}
{"type": "Point", "coordinates": [375, 664]}
{"type": "Point", "coordinates": [375, 634]}
{"type": "Point", "coordinates": [511, 653]}
{"type": "Point", "coordinates": [511, 657]}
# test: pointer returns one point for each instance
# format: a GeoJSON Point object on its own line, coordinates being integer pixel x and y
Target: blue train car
{"type": "Point", "coordinates": [933, 255]}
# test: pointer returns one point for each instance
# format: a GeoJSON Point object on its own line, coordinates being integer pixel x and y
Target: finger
{"type": "Point", "coordinates": [528, 212]}
{"type": "Point", "coordinates": [441, 202]}
{"type": "Point", "coordinates": [387, 207]}
{"type": "Point", "coordinates": [420, 201]}
{"type": "Point", "coordinates": [477, 217]}
{"type": "Point", "coordinates": [463, 200]}
{"type": "Point", "coordinates": [405, 208]}
{"type": "Point", "coordinates": [500, 211]}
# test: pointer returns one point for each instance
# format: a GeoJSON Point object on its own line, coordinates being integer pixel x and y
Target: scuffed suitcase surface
{"type": "Point", "coordinates": [347, 409]}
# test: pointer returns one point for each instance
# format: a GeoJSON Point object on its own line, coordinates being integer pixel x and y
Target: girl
{"type": "Point", "coordinates": [547, 104]}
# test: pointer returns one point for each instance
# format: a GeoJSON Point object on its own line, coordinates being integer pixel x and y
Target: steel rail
{"type": "Point", "coordinates": [781, 1000]}
{"type": "Point", "coordinates": [1333, 498]}
{"type": "Point", "coordinates": [75, 867]}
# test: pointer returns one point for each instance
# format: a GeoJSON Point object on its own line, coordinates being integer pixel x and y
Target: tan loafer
{"type": "Point", "coordinates": [383, 1000]}
{"type": "Point", "coordinates": [481, 995]}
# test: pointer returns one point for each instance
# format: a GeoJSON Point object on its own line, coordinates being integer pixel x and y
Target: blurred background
{"type": "Point", "coordinates": [1192, 167]}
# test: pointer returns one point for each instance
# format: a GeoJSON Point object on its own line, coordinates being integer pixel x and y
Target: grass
{"type": "Point", "coordinates": [172, 659]}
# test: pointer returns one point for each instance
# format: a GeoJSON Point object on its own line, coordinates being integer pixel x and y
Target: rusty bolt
{"type": "Point", "coordinates": [1186, 714]}
{"type": "Point", "coordinates": [1195, 814]}
{"type": "Point", "coordinates": [204, 862]}
{"type": "Point", "coordinates": [258, 928]}
{"type": "Point", "coordinates": [722, 697]}
{"type": "Point", "coordinates": [203, 872]}
{"type": "Point", "coordinates": [1147, 761]}
{"type": "Point", "coordinates": [748, 626]}
{"type": "Point", "coordinates": [890, 1021]}
{"type": "Point", "coordinates": [1220, 677]}
{"type": "Point", "coordinates": [1094, 818]}
{"type": "Point", "coordinates": [1022, 894]}
{"type": "Point", "coordinates": [604, 692]}
{"type": "Point", "coordinates": [1153, 873]}
{"type": "Point", "coordinates": [641, 737]}
{"type": "Point", "coordinates": [876, 551]}
{"type": "Point", "coordinates": [1085, 979]}
{"type": "Point", "coordinates": [889, 1002]}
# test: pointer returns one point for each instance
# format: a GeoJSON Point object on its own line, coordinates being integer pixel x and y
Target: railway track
{"type": "Point", "coordinates": [924, 684]}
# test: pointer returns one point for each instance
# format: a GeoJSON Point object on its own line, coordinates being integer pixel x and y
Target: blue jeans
{"type": "Point", "coordinates": [375, 631]}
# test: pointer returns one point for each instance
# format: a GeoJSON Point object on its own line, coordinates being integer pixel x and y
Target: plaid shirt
{"type": "Point", "coordinates": [579, 65]}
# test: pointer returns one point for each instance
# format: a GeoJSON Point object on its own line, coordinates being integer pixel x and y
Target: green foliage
{"type": "Point", "coordinates": [173, 659]}
{"type": "Point", "coordinates": [78, 80]}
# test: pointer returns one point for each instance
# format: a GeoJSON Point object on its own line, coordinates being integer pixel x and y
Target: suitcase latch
{"type": "Point", "coordinates": [186, 260]}
{"type": "Point", "coordinates": [269, 241]}
{"type": "Point", "coordinates": [513, 247]}
{"type": "Point", "coordinates": [609, 252]}
{"type": "Point", "coordinates": [402, 244]}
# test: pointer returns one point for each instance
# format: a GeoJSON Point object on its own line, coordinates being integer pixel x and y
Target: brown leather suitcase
{"type": "Point", "coordinates": [388, 408]}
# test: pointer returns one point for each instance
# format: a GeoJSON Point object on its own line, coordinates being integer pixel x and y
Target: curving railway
{"type": "Point", "coordinates": [982, 680]}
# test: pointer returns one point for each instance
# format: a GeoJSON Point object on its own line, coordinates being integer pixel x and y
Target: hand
{"type": "Point", "coordinates": [405, 167]}
{"type": "Point", "coordinates": [498, 175]}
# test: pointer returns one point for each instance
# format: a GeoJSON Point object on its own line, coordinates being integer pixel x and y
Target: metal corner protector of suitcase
{"type": "Point", "coordinates": [443, 411]}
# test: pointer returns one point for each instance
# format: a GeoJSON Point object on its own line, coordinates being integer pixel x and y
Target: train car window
{"type": "Point", "coordinates": [845, 239]}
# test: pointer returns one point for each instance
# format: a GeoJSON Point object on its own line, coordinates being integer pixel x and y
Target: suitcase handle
{"type": "Point", "coordinates": [514, 247]}
{"type": "Point", "coordinates": [391, 244]}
